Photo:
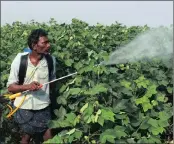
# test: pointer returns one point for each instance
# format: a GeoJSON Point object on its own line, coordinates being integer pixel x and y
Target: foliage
{"type": "Point", "coordinates": [128, 103]}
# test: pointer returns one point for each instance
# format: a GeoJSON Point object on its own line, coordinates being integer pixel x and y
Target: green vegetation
{"type": "Point", "coordinates": [128, 103]}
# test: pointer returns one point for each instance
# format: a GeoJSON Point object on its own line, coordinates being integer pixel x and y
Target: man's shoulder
{"type": "Point", "coordinates": [18, 57]}
{"type": "Point", "coordinates": [21, 54]}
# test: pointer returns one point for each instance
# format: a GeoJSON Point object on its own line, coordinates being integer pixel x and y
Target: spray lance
{"type": "Point", "coordinates": [41, 85]}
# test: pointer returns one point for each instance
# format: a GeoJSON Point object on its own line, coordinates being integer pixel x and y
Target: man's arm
{"type": "Point", "coordinates": [15, 88]}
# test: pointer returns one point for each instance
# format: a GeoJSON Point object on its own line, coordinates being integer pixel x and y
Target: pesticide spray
{"type": "Point", "coordinates": [154, 43]}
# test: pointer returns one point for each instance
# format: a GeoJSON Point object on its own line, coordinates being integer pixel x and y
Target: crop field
{"type": "Point", "coordinates": [120, 103]}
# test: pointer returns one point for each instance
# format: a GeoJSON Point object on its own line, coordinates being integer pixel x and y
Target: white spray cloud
{"type": "Point", "coordinates": [156, 42]}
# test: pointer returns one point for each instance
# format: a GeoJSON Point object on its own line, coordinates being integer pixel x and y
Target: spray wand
{"type": "Point", "coordinates": [24, 92]}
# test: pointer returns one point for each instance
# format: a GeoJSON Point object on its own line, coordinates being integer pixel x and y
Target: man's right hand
{"type": "Point", "coordinates": [33, 86]}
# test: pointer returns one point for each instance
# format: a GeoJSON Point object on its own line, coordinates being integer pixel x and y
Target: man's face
{"type": "Point", "coordinates": [42, 46]}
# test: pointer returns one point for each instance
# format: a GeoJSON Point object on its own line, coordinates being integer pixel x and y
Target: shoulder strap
{"type": "Point", "coordinates": [23, 68]}
{"type": "Point", "coordinates": [50, 64]}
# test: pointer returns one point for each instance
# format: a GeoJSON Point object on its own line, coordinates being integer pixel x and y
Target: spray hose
{"type": "Point", "coordinates": [11, 97]}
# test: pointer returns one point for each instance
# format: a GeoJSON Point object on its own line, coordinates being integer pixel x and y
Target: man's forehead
{"type": "Point", "coordinates": [43, 38]}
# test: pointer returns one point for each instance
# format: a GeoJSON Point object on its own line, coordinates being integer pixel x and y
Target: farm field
{"type": "Point", "coordinates": [119, 103]}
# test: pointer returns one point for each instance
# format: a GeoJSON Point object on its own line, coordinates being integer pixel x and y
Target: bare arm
{"type": "Point", "coordinates": [15, 88]}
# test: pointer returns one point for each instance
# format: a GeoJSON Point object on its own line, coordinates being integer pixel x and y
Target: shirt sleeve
{"type": "Point", "coordinates": [53, 75]}
{"type": "Point", "coordinates": [13, 77]}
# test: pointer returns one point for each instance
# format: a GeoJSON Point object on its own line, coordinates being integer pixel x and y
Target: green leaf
{"type": "Point", "coordinates": [71, 117]}
{"type": "Point", "coordinates": [126, 84]}
{"type": "Point", "coordinates": [119, 132]}
{"type": "Point", "coordinates": [63, 88]}
{"type": "Point", "coordinates": [143, 140]}
{"type": "Point", "coordinates": [96, 89]}
{"type": "Point", "coordinates": [84, 108]}
{"type": "Point", "coordinates": [121, 141]}
{"type": "Point", "coordinates": [77, 120]}
{"type": "Point", "coordinates": [146, 106]}
{"type": "Point", "coordinates": [55, 139]}
{"type": "Point", "coordinates": [151, 90]}
{"type": "Point", "coordinates": [88, 113]}
{"type": "Point", "coordinates": [163, 123]}
{"type": "Point", "coordinates": [154, 103]}
{"type": "Point", "coordinates": [78, 80]}
{"type": "Point", "coordinates": [75, 91]}
{"type": "Point", "coordinates": [126, 121]}
{"type": "Point", "coordinates": [141, 100]}
{"type": "Point", "coordinates": [135, 123]}
{"type": "Point", "coordinates": [141, 82]}
{"type": "Point", "coordinates": [70, 138]}
{"type": "Point", "coordinates": [78, 65]}
{"type": "Point", "coordinates": [144, 125]}
{"type": "Point", "coordinates": [156, 130]}
{"type": "Point", "coordinates": [82, 70]}
{"type": "Point", "coordinates": [71, 131]}
{"type": "Point", "coordinates": [78, 134]}
{"type": "Point", "coordinates": [61, 100]}
{"type": "Point", "coordinates": [126, 91]}
{"type": "Point", "coordinates": [107, 114]}
{"type": "Point", "coordinates": [153, 122]}
{"type": "Point", "coordinates": [100, 88]}
{"type": "Point", "coordinates": [113, 70]}
{"type": "Point", "coordinates": [169, 90]}
{"type": "Point", "coordinates": [108, 135]}
{"type": "Point", "coordinates": [61, 112]}
{"type": "Point", "coordinates": [131, 140]}
{"type": "Point", "coordinates": [164, 116]}
{"type": "Point", "coordinates": [101, 120]}
{"type": "Point", "coordinates": [136, 135]}
{"type": "Point", "coordinates": [97, 115]}
{"type": "Point", "coordinates": [154, 139]}
{"type": "Point", "coordinates": [161, 97]}
{"type": "Point", "coordinates": [120, 116]}
{"type": "Point", "coordinates": [89, 119]}
{"type": "Point", "coordinates": [120, 105]}
{"type": "Point", "coordinates": [59, 124]}
{"type": "Point", "coordinates": [89, 110]}
{"type": "Point", "coordinates": [69, 62]}
{"type": "Point", "coordinates": [163, 82]}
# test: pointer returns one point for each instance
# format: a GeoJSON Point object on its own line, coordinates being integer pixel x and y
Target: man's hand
{"type": "Point", "coordinates": [15, 88]}
{"type": "Point", "coordinates": [33, 86]}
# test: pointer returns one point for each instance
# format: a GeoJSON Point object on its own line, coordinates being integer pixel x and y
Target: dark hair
{"type": "Point", "coordinates": [35, 35]}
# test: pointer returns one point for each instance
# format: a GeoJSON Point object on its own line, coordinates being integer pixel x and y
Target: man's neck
{"type": "Point", "coordinates": [35, 57]}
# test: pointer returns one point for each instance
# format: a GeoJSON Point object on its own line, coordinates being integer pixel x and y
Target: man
{"type": "Point", "coordinates": [34, 113]}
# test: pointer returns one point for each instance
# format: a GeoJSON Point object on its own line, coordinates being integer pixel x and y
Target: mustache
{"type": "Point", "coordinates": [45, 51]}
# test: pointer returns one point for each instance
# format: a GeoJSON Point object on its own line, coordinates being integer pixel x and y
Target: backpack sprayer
{"type": "Point", "coordinates": [13, 96]}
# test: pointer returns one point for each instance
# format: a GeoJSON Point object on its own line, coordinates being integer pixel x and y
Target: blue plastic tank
{"type": "Point", "coordinates": [27, 50]}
